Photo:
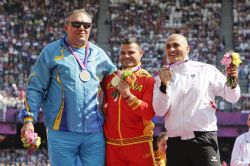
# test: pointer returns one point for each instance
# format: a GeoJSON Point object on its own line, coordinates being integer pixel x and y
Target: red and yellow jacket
{"type": "Point", "coordinates": [129, 123]}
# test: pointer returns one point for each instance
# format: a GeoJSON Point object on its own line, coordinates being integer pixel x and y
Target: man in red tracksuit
{"type": "Point", "coordinates": [128, 111]}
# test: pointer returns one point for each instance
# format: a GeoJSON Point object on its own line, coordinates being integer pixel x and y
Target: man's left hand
{"type": "Point", "coordinates": [232, 71]}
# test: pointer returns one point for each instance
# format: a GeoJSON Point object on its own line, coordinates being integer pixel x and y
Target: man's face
{"type": "Point", "coordinates": [177, 48]}
{"type": "Point", "coordinates": [78, 29]}
{"type": "Point", "coordinates": [130, 55]}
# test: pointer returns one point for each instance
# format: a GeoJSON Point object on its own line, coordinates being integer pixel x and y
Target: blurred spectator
{"type": "Point", "coordinates": [241, 150]}
{"type": "Point", "coordinates": [19, 157]}
{"type": "Point", "coordinates": [160, 153]}
{"type": "Point", "coordinates": [241, 35]}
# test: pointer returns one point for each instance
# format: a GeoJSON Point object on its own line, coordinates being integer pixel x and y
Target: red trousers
{"type": "Point", "coordinates": [140, 154]}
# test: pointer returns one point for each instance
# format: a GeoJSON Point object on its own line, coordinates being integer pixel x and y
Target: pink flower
{"type": "Point", "coordinates": [31, 137]}
{"type": "Point", "coordinates": [31, 141]}
{"type": "Point", "coordinates": [231, 59]}
{"type": "Point", "coordinates": [226, 60]}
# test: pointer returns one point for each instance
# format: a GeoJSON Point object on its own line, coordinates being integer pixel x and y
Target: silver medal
{"type": "Point", "coordinates": [84, 75]}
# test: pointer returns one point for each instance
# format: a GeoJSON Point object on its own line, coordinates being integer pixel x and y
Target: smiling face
{"type": "Point", "coordinates": [77, 36]}
{"type": "Point", "coordinates": [177, 48]}
{"type": "Point", "coordinates": [130, 55]}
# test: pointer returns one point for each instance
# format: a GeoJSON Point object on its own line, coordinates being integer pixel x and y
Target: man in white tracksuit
{"type": "Point", "coordinates": [184, 93]}
{"type": "Point", "coordinates": [241, 150]}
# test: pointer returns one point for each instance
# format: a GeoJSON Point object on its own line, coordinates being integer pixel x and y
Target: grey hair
{"type": "Point", "coordinates": [78, 11]}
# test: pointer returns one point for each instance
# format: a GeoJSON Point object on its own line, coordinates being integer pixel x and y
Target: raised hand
{"type": "Point", "coordinates": [123, 88]}
{"type": "Point", "coordinates": [165, 75]}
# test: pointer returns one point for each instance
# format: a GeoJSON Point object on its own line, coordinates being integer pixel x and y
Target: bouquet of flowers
{"type": "Point", "coordinates": [127, 75]}
{"type": "Point", "coordinates": [231, 59]}
{"type": "Point", "coordinates": [31, 141]}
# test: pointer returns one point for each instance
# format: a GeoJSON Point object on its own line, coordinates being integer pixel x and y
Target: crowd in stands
{"type": "Point", "coordinates": [26, 27]}
{"type": "Point", "coordinates": [151, 21]}
{"type": "Point", "coordinates": [18, 157]}
{"type": "Point", "coordinates": [241, 36]}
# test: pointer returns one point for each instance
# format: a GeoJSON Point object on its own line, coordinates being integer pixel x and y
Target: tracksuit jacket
{"type": "Point", "coordinates": [69, 103]}
{"type": "Point", "coordinates": [127, 124]}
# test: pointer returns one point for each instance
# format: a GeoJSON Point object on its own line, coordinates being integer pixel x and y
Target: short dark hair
{"type": "Point", "coordinates": [130, 41]}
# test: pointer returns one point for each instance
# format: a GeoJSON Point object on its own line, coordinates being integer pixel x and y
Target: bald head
{"type": "Point", "coordinates": [179, 37]}
{"type": "Point", "coordinates": [177, 48]}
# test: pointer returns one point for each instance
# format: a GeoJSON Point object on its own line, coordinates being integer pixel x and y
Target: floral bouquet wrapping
{"type": "Point", "coordinates": [127, 75]}
{"type": "Point", "coordinates": [31, 141]}
{"type": "Point", "coordinates": [231, 59]}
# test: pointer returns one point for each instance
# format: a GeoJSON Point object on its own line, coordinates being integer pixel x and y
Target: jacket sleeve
{"type": "Point", "coordinates": [237, 154]}
{"type": "Point", "coordinates": [143, 107]}
{"type": "Point", "coordinates": [161, 101]}
{"type": "Point", "coordinates": [109, 64]}
{"type": "Point", "coordinates": [37, 86]}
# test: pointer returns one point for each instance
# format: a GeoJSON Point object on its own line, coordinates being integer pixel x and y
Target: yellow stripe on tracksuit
{"type": "Point", "coordinates": [152, 151]}
{"type": "Point", "coordinates": [60, 113]}
{"type": "Point", "coordinates": [119, 117]}
{"type": "Point", "coordinates": [27, 107]}
{"type": "Point", "coordinates": [129, 141]}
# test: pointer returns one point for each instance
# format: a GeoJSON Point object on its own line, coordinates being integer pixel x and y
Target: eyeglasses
{"type": "Point", "coordinates": [86, 25]}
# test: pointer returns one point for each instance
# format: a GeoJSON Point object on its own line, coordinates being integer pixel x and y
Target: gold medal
{"type": "Point", "coordinates": [84, 75]}
{"type": "Point", "coordinates": [115, 81]}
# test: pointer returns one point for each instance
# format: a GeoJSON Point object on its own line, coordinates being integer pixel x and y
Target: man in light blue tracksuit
{"type": "Point", "coordinates": [65, 81]}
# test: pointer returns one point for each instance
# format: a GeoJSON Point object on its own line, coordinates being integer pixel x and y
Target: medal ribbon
{"type": "Point", "coordinates": [136, 68]}
{"type": "Point", "coordinates": [175, 64]}
{"type": "Point", "coordinates": [76, 56]}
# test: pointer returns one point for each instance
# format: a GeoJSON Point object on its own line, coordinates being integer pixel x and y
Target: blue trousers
{"type": "Point", "coordinates": [66, 148]}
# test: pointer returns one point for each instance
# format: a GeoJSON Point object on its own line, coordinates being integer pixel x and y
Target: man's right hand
{"type": "Point", "coordinates": [27, 127]}
{"type": "Point", "coordinates": [165, 75]}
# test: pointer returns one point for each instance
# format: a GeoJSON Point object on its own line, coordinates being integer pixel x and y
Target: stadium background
{"type": "Point", "coordinates": [212, 27]}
